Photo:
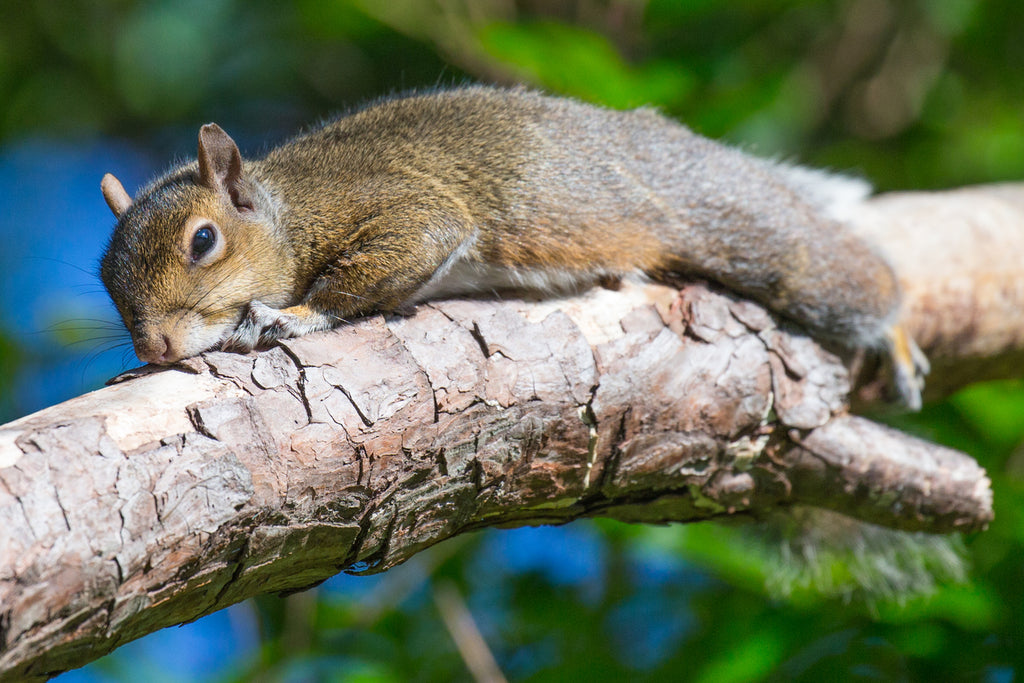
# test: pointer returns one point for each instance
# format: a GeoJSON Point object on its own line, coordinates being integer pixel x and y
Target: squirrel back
{"type": "Point", "coordinates": [474, 189]}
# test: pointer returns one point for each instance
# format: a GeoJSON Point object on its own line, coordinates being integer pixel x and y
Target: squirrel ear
{"type": "Point", "coordinates": [113, 191]}
{"type": "Point", "coordinates": [220, 165]}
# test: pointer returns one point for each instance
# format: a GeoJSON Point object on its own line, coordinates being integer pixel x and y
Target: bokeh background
{"type": "Point", "coordinates": [911, 94]}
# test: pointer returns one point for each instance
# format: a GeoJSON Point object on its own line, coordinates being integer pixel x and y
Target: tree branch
{"type": "Point", "coordinates": [181, 491]}
{"type": "Point", "coordinates": [958, 257]}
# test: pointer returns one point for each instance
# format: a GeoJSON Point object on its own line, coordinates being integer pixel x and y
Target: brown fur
{"type": "Point", "coordinates": [359, 214]}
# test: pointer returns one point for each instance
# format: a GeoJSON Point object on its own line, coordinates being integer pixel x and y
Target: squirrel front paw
{"type": "Point", "coordinates": [262, 325]}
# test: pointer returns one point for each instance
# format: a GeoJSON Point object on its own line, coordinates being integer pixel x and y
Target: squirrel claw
{"type": "Point", "coordinates": [260, 325]}
{"type": "Point", "coordinates": [909, 367]}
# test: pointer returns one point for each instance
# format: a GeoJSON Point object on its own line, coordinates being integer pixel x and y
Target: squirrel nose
{"type": "Point", "coordinates": [156, 348]}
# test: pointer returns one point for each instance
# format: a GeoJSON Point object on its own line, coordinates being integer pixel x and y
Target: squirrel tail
{"type": "Point", "coordinates": [834, 555]}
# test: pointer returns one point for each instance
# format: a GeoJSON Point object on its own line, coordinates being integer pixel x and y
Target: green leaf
{"type": "Point", "coordinates": [584, 64]}
{"type": "Point", "coordinates": [752, 658]}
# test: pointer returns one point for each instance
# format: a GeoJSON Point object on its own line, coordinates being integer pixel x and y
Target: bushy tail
{"type": "Point", "coordinates": [834, 555]}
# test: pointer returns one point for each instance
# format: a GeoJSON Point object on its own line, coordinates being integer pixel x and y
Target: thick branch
{"type": "Point", "coordinates": [958, 256]}
{"type": "Point", "coordinates": [169, 496]}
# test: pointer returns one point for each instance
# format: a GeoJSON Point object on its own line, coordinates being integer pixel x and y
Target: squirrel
{"type": "Point", "coordinates": [475, 189]}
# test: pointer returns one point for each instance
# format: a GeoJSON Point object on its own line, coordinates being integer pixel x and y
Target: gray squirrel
{"type": "Point", "coordinates": [478, 188]}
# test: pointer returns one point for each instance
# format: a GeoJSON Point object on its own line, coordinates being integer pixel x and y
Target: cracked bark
{"type": "Point", "coordinates": [178, 492]}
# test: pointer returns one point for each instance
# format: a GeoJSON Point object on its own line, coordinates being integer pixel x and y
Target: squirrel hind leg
{"type": "Point", "coordinates": [909, 366]}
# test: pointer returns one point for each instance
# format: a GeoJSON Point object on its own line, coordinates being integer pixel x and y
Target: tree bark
{"type": "Point", "coordinates": [958, 256]}
{"type": "Point", "coordinates": [176, 492]}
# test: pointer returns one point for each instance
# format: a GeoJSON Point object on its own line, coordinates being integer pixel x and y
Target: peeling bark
{"type": "Point", "coordinates": [180, 491]}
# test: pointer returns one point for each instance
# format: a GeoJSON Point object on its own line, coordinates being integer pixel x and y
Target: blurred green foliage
{"type": "Point", "coordinates": [911, 94]}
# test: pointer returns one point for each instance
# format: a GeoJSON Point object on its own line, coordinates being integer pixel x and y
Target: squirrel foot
{"type": "Point", "coordinates": [262, 325]}
{"type": "Point", "coordinates": [909, 366]}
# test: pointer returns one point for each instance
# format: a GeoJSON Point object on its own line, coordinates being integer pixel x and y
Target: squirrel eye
{"type": "Point", "coordinates": [202, 242]}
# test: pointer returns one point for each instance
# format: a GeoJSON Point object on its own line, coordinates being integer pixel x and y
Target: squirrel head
{"type": "Point", "coordinates": [191, 251]}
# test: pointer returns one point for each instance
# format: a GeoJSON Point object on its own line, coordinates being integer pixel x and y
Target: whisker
{"type": "Point", "coordinates": [62, 262]}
